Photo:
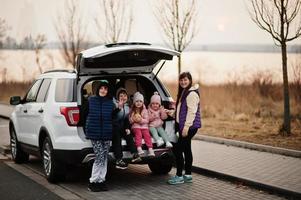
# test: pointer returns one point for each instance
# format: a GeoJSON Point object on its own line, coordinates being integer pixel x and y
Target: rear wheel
{"type": "Point", "coordinates": [54, 170]}
{"type": "Point", "coordinates": [160, 166]}
{"type": "Point", "coordinates": [18, 155]}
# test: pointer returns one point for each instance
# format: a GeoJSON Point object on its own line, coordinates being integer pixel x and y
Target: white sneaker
{"type": "Point", "coordinates": [160, 143]}
{"type": "Point", "coordinates": [140, 151]}
{"type": "Point", "coordinates": [151, 152]}
{"type": "Point", "coordinates": [168, 145]}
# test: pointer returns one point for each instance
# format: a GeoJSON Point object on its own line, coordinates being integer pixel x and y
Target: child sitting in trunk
{"type": "Point", "coordinates": [139, 120]}
{"type": "Point", "coordinates": [121, 129]}
{"type": "Point", "coordinates": [157, 114]}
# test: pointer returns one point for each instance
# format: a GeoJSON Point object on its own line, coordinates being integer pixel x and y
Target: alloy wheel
{"type": "Point", "coordinates": [47, 158]}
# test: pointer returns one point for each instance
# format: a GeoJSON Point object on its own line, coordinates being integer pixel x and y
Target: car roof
{"type": "Point", "coordinates": [59, 73]}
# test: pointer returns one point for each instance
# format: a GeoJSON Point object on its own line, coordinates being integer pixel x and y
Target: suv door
{"type": "Point", "coordinates": [36, 112]}
{"type": "Point", "coordinates": [24, 113]}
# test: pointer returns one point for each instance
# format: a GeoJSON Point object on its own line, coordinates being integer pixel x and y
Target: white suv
{"type": "Point", "coordinates": [49, 121]}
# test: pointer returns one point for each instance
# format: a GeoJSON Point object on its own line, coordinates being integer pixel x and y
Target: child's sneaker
{"type": "Point", "coordinates": [176, 180]}
{"type": "Point", "coordinates": [120, 164]}
{"type": "Point", "coordinates": [160, 142]}
{"type": "Point", "coordinates": [136, 158]}
{"type": "Point", "coordinates": [151, 152]}
{"type": "Point", "coordinates": [97, 187]}
{"type": "Point", "coordinates": [168, 145]}
{"type": "Point", "coordinates": [187, 178]}
{"type": "Point", "coordinates": [140, 151]}
{"type": "Point", "coordinates": [93, 187]}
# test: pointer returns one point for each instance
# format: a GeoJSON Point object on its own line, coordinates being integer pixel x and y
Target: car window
{"type": "Point", "coordinates": [42, 95]}
{"type": "Point", "coordinates": [32, 93]}
{"type": "Point", "coordinates": [65, 90]}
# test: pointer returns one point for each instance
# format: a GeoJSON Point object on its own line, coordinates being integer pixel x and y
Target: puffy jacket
{"type": "Point", "coordinates": [190, 117]}
{"type": "Point", "coordinates": [156, 117]}
{"type": "Point", "coordinates": [99, 120]}
{"type": "Point", "coordinates": [144, 122]}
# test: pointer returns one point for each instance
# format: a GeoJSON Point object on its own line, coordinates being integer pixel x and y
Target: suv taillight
{"type": "Point", "coordinates": [71, 115]}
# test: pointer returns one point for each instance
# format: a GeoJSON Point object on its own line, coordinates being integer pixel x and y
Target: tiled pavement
{"type": "Point", "coordinates": [138, 183]}
{"type": "Point", "coordinates": [275, 170]}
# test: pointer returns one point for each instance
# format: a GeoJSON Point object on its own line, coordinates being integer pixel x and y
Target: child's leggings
{"type": "Point", "coordinates": [142, 132]}
{"type": "Point", "coordinates": [159, 131]}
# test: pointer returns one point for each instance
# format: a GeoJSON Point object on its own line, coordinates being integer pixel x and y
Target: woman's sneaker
{"type": "Point", "coordinates": [176, 180]}
{"type": "Point", "coordinates": [136, 158]}
{"type": "Point", "coordinates": [120, 164]}
{"type": "Point", "coordinates": [187, 178]}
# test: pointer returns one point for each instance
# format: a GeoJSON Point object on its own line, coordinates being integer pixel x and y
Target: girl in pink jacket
{"type": "Point", "coordinates": [139, 119]}
{"type": "Point", "coordinates": [157, 114]}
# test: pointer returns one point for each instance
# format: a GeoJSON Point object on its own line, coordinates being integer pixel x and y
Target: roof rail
{"type": "Point", "coordinates": [61, 70]}
{"type": "Point", "coordinates": [126, 43]}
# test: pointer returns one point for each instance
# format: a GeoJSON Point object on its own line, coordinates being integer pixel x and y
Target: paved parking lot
{"type": "Point", "coordinates": [138, 183]}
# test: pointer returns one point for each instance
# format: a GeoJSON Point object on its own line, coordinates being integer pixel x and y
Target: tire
{"type": "Point", "coordinates": [161, 166]}
{"type": "Point", "coordinates": [54, 170]}
{"type": "Point", "coordinates": [18, 155]}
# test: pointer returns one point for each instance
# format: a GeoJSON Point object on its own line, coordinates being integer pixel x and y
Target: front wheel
{"type": "Point", "coordinates": [161, 166]}
{"type": "Point", "coordinates": [54, 170]}
{"type": "Point", "coordinates": [18, 155]}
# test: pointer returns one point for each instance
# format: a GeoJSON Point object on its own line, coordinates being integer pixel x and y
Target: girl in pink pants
{"type": "Point", "coordinates": [139, 120]}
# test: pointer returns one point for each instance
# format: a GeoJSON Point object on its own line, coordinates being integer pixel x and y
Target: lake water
{"type": "Point", "coordinates": [209, 67]}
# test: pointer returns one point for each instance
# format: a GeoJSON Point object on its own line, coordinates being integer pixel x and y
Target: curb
{"type": "Point", "coordinates": [248, 145]}
{"type": "Point", "coordinates": [247, 182]}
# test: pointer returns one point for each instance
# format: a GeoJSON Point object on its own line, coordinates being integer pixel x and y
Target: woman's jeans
{"type": "Point", "coordinates": [183, 146]}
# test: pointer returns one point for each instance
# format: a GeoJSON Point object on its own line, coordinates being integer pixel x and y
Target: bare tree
{"type": "Point", "coordinates": [4, 75]}
{"type": "Point", "coordinates": [39, 44]}
{"type": "Point", "coordinates": [114, 21]}
{"type": "Point", "coordinates": [282, 20]}
{"type": "Point", "coordinates": [3, 29]}
{"type": "Point", "coordinates": [71, 31]}
{"type": "Point", "coordinates": [178, 22]}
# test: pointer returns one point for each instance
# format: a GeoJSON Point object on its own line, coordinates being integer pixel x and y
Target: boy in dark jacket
{"type": "Point", "coordinates": [99, 131]}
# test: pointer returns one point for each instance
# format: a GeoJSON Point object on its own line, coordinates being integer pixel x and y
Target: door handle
{"type": "Point", "coordinates": [40, 110]}
{"type": "Point", "coordinates": [25, 111]}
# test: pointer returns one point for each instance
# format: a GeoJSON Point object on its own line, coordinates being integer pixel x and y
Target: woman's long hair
{"type": "Point", "coordinates": [180, 89]}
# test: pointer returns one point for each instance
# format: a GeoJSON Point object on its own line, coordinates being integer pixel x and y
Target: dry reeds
{"type": "Point", "coordinates": [9, 89]}
{"type": "Point", "coordinates": [242, 101]}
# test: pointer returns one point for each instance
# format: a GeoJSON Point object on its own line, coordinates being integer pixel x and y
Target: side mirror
{"type": "Point", "coordinates": [15, 100]}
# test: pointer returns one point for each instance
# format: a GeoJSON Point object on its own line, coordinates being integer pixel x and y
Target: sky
{"type": "Point", "coordinates": [219, 21]}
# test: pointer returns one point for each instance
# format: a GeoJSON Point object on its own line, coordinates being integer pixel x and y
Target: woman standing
{"type": "Point", "coordinates": [99, 131]}
{"type": "Point", "coordinates": [188, 121]}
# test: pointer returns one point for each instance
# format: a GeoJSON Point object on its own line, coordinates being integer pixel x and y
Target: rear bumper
{"type": "Point", "coordinates": [87, 155]}
{"type": "Point", "coordinates": [72, 156]}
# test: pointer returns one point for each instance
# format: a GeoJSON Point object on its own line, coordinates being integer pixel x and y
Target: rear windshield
{"type": "Point", "coordinates": [65, 90]}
